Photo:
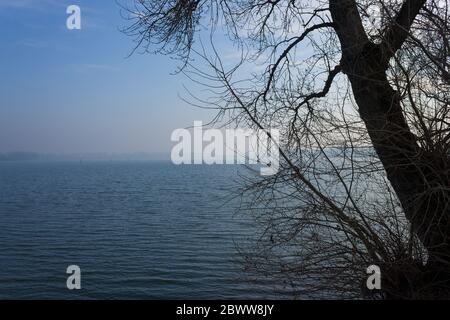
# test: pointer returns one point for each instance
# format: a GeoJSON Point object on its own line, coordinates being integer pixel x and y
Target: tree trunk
{"type": "Point", "coordinates": [420, 178]}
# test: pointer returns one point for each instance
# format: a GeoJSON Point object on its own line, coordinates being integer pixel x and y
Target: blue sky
{"type": "Point", "coordinates": [74, 91]}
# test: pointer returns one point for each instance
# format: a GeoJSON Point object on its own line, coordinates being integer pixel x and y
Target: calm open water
{"type": "Point", "coordinates": [140, 230]}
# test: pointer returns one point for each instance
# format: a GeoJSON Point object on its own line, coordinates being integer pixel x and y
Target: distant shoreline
{"type": "Point", "coordinates": [31, 156]}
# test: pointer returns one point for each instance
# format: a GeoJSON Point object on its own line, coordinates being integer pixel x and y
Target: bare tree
{"type": "Point", "coordinates": [360, 90]}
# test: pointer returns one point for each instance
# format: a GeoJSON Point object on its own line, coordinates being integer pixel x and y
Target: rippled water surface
{"type": "Point", "coordinates": [136, 229]}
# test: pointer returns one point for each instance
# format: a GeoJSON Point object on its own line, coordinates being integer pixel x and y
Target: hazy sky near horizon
{"type": "Point", "coordinates": [75, 91]}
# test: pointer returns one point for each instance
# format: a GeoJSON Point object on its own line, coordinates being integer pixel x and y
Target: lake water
{"type": "Point", "coordinates": [137, 230]}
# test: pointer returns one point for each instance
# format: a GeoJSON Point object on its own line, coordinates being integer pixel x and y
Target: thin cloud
{"type": "Point", "coordinates": [86, 67]}
{"type": "Point", "coordinates": [31, 43]}
{"type": "Point", "coordinates": [21, 4]}
{"type": "Point", "coordinates": [17, 3]}
{"type": "Point", "coordinates": [27, 4]}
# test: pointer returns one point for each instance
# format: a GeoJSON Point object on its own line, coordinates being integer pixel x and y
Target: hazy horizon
{"type": "Point", "coordinates": [25, 155]}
